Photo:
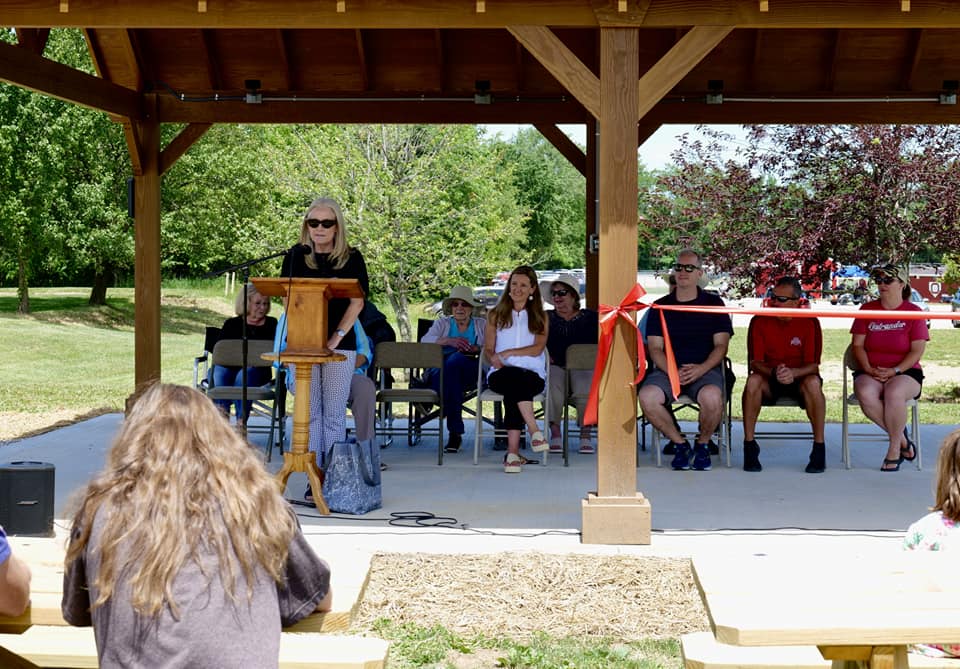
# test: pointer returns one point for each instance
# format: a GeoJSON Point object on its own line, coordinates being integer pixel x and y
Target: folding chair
{"type": "Point", "coordinates": [580, 357]}
{"type": "Point", "coordinates": [485, 394]}
{"type": "Point", "coordinates": [415, 358]}
{"type": "Point", "coordinates": [725, 427]}
{"type": "Point", "coordinates": [229, 353]}
{"type": "Point", "coordinates": [785, 401]}
{"type": "Point", "coordinates": [850, 366]}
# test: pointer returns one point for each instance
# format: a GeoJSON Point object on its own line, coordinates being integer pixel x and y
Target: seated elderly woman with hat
{"type": "Point", "coordinates": [461, 335]}
{"type": "Point", "coordinates": [569, 324]}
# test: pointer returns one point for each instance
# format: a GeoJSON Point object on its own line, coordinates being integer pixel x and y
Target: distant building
{"type": "Point", "coordinates": [927, 279]}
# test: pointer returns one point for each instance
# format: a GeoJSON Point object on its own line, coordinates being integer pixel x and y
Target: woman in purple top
{"type": "Point", "coordinates": [888, 352]}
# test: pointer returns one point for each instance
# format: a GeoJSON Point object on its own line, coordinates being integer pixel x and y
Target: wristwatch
{"type": "Point", "coordinates": [896, 371]}
{"type": "Point", "coordinates": [341, 333]}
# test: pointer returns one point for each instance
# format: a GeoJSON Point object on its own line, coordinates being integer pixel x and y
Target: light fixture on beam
{"type": "Point", "coordinates": [341, 6]}
{"type": "Point", "coordinates": [904, 5]}
{"type": "Point", "coordinates": [949, 94]}
{"type": "Point", "coordinates": [253, 96]}
{"type": "Point", "coordinates": [715, 92]}
{"type": "Point", "coordinates": [482, 95]}
{"type": "Point", "coordinates": [202, 6]}
{"type": "Point", "coordinates": [481, 6]}
{"type": "Point", "coordinates": [764, 6]}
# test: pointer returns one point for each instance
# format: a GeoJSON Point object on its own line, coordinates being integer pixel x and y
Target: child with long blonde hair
{"type": "Point", "coordinates": [939, 530]}
{"type": "Point", "coordinates": [183, 552]}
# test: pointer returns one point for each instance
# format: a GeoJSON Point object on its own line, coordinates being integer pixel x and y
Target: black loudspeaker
{"type": "Point", "coordinates": [26, 498]}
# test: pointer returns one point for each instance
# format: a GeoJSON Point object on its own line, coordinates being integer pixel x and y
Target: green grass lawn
{"type": "Point", "coordinates": [68, 355]}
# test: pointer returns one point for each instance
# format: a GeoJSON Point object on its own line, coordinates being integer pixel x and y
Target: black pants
{"type": "Point", "coordinates": [516, 385]}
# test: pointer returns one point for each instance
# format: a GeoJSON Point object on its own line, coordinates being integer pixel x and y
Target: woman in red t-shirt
{"type": "Point", "coordinates": [888, 352]}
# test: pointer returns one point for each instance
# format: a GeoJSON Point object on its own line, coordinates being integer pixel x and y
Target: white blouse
{"type": "Point", "coordinates": [518, 335]}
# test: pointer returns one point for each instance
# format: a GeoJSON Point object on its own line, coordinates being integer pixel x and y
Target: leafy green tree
{"type": "Point", "coordinates": [553, 192]}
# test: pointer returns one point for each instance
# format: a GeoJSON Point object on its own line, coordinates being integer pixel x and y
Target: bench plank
{"type": "Point", "coordinates": [76, 648]}
{"type": "Point", "coordinates": [701, 650]}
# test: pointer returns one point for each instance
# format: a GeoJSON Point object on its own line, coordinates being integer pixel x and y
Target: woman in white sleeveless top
{"type": "Point", "coordinates": [514, 343]}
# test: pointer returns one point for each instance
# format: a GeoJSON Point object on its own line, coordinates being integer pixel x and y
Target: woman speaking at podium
{"type": "Point", "coordinates": [323, 253]}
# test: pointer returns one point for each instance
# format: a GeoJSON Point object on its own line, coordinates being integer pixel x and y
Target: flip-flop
{"type": "Point", "coordinates": [910, 447]}
{"type": "Point", "coordinates": [895, 461]}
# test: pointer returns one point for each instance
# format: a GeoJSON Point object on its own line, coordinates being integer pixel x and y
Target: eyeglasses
{"type": "Point", "coordinates": [781, 299]}
{"type": "Point", "coordinates": [460, 304]}
{"type": "Point", "coordinates": [560, 292]}
{"type": "Point", "coordinates": [684, 267]}
{"type": "Point", "coordinates": [327, 223]}
{"type": "Point", "coordinates": [885, 280]}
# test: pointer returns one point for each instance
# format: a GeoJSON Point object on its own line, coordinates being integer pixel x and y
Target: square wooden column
{"type": "Point", "coordinates": [147, 250]}
{"type": "Point", "coordinates": [617, 513]}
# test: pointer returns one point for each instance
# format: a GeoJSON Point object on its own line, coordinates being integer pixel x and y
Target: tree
{"type": "Point", "coordinates": [797, 195]}
{"type": "Point", "coordinates": [429, 206]}
{"type": "Point", "coordinates": [554, 193]}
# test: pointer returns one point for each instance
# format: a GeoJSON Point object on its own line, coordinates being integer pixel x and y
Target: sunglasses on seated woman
{"type": "Point", "coordinates": [684, 267]}
{"type": "Point", "coordinates": [327, 223]}
{"type": "Point", "coordinates": [885, 280]}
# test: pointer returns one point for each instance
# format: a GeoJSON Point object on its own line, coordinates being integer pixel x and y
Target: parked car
{"type": "Point", "coordinates": [486, 295]}
{"type": "Point", "coordinates": [920, 301]}
{"type": "Point", "coordinates": [955, 307]}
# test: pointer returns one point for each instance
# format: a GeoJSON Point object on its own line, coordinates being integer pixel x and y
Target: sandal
{"type": "Point", "coordinates": [586, 448]}
{"type": "Point", "coordinates": [523, 460]}
{"type": "Point", "coordinates": [538, 443]}
{"type": "Point", "coordinates": [895, 461]}
{"type": "Point", "coordinates": [911, 448]}
{"type": "Point", "coordinates": [512, 464]}
{"type": "Point", "coordinates": [556, 444]}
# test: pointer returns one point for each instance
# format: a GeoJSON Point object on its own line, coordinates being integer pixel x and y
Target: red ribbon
{"type": "Point", "coordinates": [608, 319]}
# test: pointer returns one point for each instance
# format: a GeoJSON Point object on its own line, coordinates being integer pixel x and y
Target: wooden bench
{"type": "Point", "coordinates": [44, 638]}
{"type": "Point", "coordinates": [75, 648]}
{"type": "Point", "coordinates": [701, 650]}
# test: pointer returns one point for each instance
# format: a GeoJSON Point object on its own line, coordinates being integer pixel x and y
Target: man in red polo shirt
{"type": "Point", "coordinates": [784, 362]}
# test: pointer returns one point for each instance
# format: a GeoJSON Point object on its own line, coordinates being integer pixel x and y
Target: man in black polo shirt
{"type": "Point", "coordinates": [699, 342]}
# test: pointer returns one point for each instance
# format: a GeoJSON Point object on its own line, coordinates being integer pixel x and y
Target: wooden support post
{"type": "Point", "coordinates": [592, 264]}
{"type": "Point", "coordinates": [617, 513]}
{"type": "Point", "coordinates": [147, 250]}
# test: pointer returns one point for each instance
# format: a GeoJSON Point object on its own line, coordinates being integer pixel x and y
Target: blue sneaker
{"type": "Point", "coordinates": [681, 461]}
{"type": "Point", "coordinates": [701, 457]}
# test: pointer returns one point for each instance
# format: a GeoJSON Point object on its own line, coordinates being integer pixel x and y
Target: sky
{"type": "Point", "coordinates": [654, 153]}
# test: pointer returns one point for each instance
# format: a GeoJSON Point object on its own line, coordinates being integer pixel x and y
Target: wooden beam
{"type": "Point", "coordinates": [19, 66]}
{"type": "Point", "coordinates": [210, 61]}
{"type": "Point", "coordinates": [33, 39]}
{"type": "Point", "coordinates": [645, 131]}
{"type": "Point", "coordinates": [592, 262]}
{"type": "Point", "coordinates": [135, 59]}
{"type": "Point", "coordinates": [362, 59]}
{"type": "Point", "coordinates": [616, 460]}
{"type": "Point", "coordinates": [677, 62]}
{"type": "Point", "coordinates": [96, 54]}
{"type": "Point", "coordinates": [329, 111]}
{"type": "Point", "coordinates": [440, 59]}
{"type": "Point", "coordinates": [146, 262]}
{"type": "Point", "coordinates": [302, 14]}
{"type": "Point", "coordinates": [179, 145]}
{"type": "Point", "coordinates": [804, 112]}
{"type": "Point", "coordinates": [562, 63]}
{"type": "Point", "coordinates": [834, 63]}
{"type": "Point", "coordinates": [134, 147]}
{"type": "Point", "coordinates": [290, 77]}
{"type": "Point", "coordinates": [566, 146]}
{"type": "Point", "coordinates": [912, 60]}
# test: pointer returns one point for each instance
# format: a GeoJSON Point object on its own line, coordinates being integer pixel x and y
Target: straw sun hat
{"type": "Point", "coordinates": [568, 280]}
{"type": "Point", "coordinates": [459, 293]}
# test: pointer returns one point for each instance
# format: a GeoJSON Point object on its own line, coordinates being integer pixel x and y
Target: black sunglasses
{"type": "Point", "coordinates": [327, 223]}
{"type": "Point", "coordinates": [685, 267]}
{"type": "Point", "coordinates": [781, 299]}
{"type": "Point", "coordinates": [560, 292]}
{"type": "Point", "coordinates": [885, 280]}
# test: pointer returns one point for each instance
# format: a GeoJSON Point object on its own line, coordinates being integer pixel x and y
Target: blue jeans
{"type": "Point", "coordinates": [231, 376]}
{"type": "Point", "coordinates": [459, 376]}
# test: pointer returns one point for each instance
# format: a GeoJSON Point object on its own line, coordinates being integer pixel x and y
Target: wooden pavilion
{"type": "Point", "coordinates": [621, 67]}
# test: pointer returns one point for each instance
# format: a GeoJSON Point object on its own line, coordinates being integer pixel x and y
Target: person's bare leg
{"type": "Point", "coordinates": [755, 389]}
{"type": "Point", "coordinates": [526, 410]}
{"type": "Point", "coordinates": [513, 442]}
{"type": "Point", "coordinates": [895, 395]}
{"type": "Point", "coordinates": [652, 402]}
{"type": "Point", "coordinates": [710, 399]}
{"type": "Point", "coordinates": [816, 405]}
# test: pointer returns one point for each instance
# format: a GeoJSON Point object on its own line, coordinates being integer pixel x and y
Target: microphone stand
{"type": "Point", "coordinates": [244, 269]}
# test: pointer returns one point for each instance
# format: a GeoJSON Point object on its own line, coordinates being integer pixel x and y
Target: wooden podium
{"type": "Point", "coordinates": [306, 346]}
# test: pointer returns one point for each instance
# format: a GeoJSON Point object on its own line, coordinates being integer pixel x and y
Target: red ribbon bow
{"type": "Point", "coordinates": [608, 320]}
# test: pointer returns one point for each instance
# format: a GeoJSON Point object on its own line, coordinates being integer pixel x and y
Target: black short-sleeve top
{"type": "Point", "coordinates": [294, 264]}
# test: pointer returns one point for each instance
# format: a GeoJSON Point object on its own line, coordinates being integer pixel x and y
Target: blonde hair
{"type": "Point", "coordinates": [341, 248]}
{"type": "Point", "coordinates": [252, 292]}
{"type": "Point", "coordinates": [179, 481]}
{"type": "Point", "coordinates": [502, 314]}
{"type": "Point", "coordinates": [947, 494]}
